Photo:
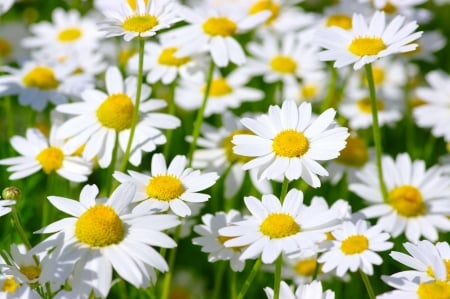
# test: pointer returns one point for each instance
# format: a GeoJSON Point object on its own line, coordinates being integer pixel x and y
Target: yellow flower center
{"type": "Point", "coordinates": [365, 106]}
{"type": "Point", "coordinates": [363, 46]}
{"type": "Point", "coordinates": [378, 76]}
{"type": "Point", "coordinates": [436, 289]}
{"type": "Point", "coordinates": [228, 147]}
{"type": "Point", "coordinates": [309, 91]}
{"type": "Point", "coordinates": [99, 226]}
{"type": "Point", "coordinates": [262, 5]}
{"type": "Point", "coordinates": [140, 23]}
{"type": "Point", "coordinates": [167, 57]}
{"type": "Point", "coordinates": [10, 285]}
{"type": "Point", "coordinates": [354, 244]}
{"type": "Point", "coordinates": [283, 64]}
{"type": "Point", "coordinates": [219, 87]}
{"type": "Point", "coordinates": [5, 48]}
{"type": "Point", "coordinates": [69, 35]}
{"type": "Point", "coordinates": [355, 153]}
{"type": "Point", "coordinates": [31, 272]}
{"type": "Point", "coordinates": [133, 4]}
{"type": "Point", "coordinates": [116, 112]}
{"type": "Point", "coordinates": [279, 225]}
{"type": "Point", "coordinates": [219, 26]}
{"type": "Point", "coordinates": [407, 201]}
{"type": "Point", "coordinates": [165, 187]}
{"type": "Point", "coordinates": [305, 267]}
{"type": "Point", "coordinates": [389, 8]}
{"type": "Point", "coordinates": [41, 77]}
{"type": "Point", "coordinates": [51, 159]}
{"type": "Point", "coordinates": [339, 20]}
{"type": "Point", "coordinates": [290, 144]}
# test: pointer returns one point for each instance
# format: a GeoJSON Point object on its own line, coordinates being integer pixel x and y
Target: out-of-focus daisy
{"type": "Point", "coordinates": [169, 187]}
{"type": "Point", "coordinates": [304, 291]}
{"type": "Point", "coordinates": [407, 8]}
{"type": "Point", "coordinates": [429, 43]}
{"type": "Point", "coordinates": [102, 117]}
{"type": "Point", "coordinates": [103, 234]}
{"type": "Point", "coordinates": [435, 111]}
{"type": "Point", "coordinates": [225, 92]}
{"type": "Point", "coordinates": [213, 243]}
{"type": "Point", "coordinates": [187, 283]}
{"type": "Point", "coordinates": [365, 43]}
{"type": "Point", "coordinates": [311, 88]}
{"type": "Point", "coordinates": [340, 14]}
{"type": "Point", "coordinates": [288, 142]}
{"type": "Point", "coordinates": [49, 155]}
{"type": "Point", "coordinates": [417, 201]}
{"type": "Point", "coordinates": [11, 34]}
{"type": "Point", "coordinates": [275, 228]}
{"type": "Point", "coordinates": [354, 248]}
{"type": "Point", "coordinates": [140, 18]}
{"type": "Point", "coordinates": [213, 30]}
{"type": "Point", "coordinates": [10, 288]}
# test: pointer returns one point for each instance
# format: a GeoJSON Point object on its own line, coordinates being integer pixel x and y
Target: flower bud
{"type": "Point", "coordinates": [12, 192]}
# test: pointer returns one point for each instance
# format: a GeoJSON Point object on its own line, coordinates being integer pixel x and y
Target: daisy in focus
{"type": "Point", "coordinates": [304, 291]}
{"type": "Point", "coordinates": [169, 187]}
{"type": "Point", "coordinates": [417, 199]}
{"type": "Point", "coordinates": [103, 234]}
{"type": "Point", "coordinates": [288, 142]}
{"type": "Point", "coordinates": [365, 43]}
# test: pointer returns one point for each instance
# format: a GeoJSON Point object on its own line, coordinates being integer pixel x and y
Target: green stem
{"type": "Point", "coordinates": [200, 114]}
{"type": "Point", "coordinates": [135, 117]}
{"type": "Point", "coordinates": [367, 284]}
{"type": "Point", "coordinates": [171, 110]}
{"type": "Point", "coordinates": [284, 189]}
{"type": "Point", "coordinates": [172, 256]}
{"type": "Point", "coordinates": [108, 179]}
{"type": "Point", "coordinates": [233, 288]}
{"type": "Point", "coordinates": [51, 184]}
{"type": "Point", "coordinates": [218, 280]}
{"type": "Point", "coordinates": [277, 280]}
{"type": "Point", "coordinates": [331, 91]}
{"type": "Point", "coordinates": [249, 280]}
{"type": "Point", "coordinates": [376, 129]}
{"type": "Point", "coordinates": [19, 227]}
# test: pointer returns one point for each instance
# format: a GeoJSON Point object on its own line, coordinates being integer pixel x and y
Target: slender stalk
{"type": "Point", "coordinates": [376, 129]}
{"type": "Point", "coordinates": [200, 114]}
{"type": "Point", "coordinates": [172, 256]}
{"type": "Point", "coordinates": [218, 275]}
{"type": "Point", "coordinates": [284, 189]}
{"type": "Point", "coordinates": [171, 110]}
{"type": "Point", "coordinates": [19, 227]}
{"type": "Point", "coordinates": [135, 117]}
{"type": "Point", "coordinates": [367, 284]}
{"type": "Point", "coordinates": [108, 179]}
{"type": "Point", "coordinates": [249, 280]}
{"type": "Point", "coordinates": [277, 281]}
{"type": "Point", "coordinates": [233, 290]}
{"type": "Point", "coordinates": [331, 91]}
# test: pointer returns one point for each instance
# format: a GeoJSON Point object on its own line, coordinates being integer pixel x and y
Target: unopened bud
{"type": "Point", "coordinates": [12, 192]}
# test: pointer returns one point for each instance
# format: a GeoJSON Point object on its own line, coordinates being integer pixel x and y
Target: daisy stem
{"type": "Point", "coordinates": [172, 256]}
{"type": "Point", "coordinates": [277, 282]}
{"type": "Point", "coordinates": [135, 117]}
{"type": "Point", "coordinates": [331, 91]}
{"type": "Point", "coordinates": [233, 290]}
{"type": "Point", "coordinates": [200, 114]}
{"type": "Point", "coordinates": [19, 227]}
{"type": "Point", "coordinates": [218, 280]}
{"type": "Point", "coordinates": [249, 280]}
{"type": "Point", "coordinates": [376, 129]}
{"type": "Point", "coordinates": [284, 189]}
{"type": "Point", "coordinates": [171, 111]}
{"type": "Point", "coordinates": [367, 284]}
{"type": "Point", "coordinates": [109, 173]}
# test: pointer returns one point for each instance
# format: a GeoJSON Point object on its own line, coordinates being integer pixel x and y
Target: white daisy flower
{"type": "Point", "coordinates": [49, 155]}
{"type": "Point", "coordinates": [417, 201]}
{"type": "Point", "coordinates": [312, 88]}
{"type": "Point", "coordinates": [365, 43]}
{"type": "Point", "coordinates": [407, 8]}
{"type": "Point", "coordinates": [435, 111]}
{"type": "Point", "coordinates": [10, 288]}
{"type": "Point", "coordinates": [288, 142]}
{"type": "Point", "coordinates": [213, 243]}
{"type": "Point", "coordinates": [169, 187]}
{"type": "Point", "coordinates": [429, 43]}
{"type": "Point", "coordinates": [102, 234]}
{"type": "Point", "coordinates": [354, 248]}
{"type": "Point", "coordinates": [312, 290]}
{"type": "Point", "coordinates": [340, 14]}
{"type": "Point", "coordinates": [5, 206]}
{"type": "Point", "coordinates": [11, 35]}
{"type": "Point", "coordinates": [275, 228]}
{"type": "Point", "coordinates": [143, 19]}
{"type": "Point", "coordinates": [102, 117]}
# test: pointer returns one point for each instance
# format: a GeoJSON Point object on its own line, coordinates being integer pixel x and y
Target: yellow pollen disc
{"type": "Point", "coordinates": [364, 46]}
{"type": "Point", "coordinates": [99, 226]}
{"type": "Point", "coordinates": [339, 20]}
{"type": "Point", "coordinates": [116, 112]}
{"type": "Point", "coordinates": [436, 289]}
{"type": "Point", "coordinates": [219, 87]}
{"type": "Point", "coordinates": [41, 77]}
{"type": "Point", "coordinates": [133, 4]}
{"type": "Point", "coordinates": [167, 57]}
{"type": "Point", "coordinates": [262, 5]}
{"type": "Point", "coordinates": [51, 159]}
{"type": "Point", "coordinates": [407, 201]}
{"type": "Point", "coordinates": [365, 106]}
{"type": "Point", "coordinates": [219, 26]}
{"type": "Point", "coordinates": [283, 64]}
{"type": "Point", "coordinates": [31, 272]}
{"type": "Point", "coordinates": [290, 144]}
{"type": "Point", "coordinates": [389, 8]}
{"type": "Point", "coordinates": [140, 23]}
{"type": "Point", "coordinates": [69, 35]}
{"type": "Point", "coordinates": [355, 153]}
{"type": "Point", "coordinates": [228, 147]}
{"type": "Point", "coordinates": [165, 187]}
{"type": "Point", "coordinates": [279, 225]}
{"type": "Point", "coordinates": [309, 91]}
{"type": "Point", "coordinates": [354, 244]}
{"type": "Point", "coordinates": [5, 48]}
{"type": "Point", "coordinates": [378, 76]}
{"type": "Point", "coordinates": [305, 267]}
{"type": "Point", "coordinates": [10, 285]}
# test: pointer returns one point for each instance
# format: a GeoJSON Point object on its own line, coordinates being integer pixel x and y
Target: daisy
{"type": "Point", "coordinates": [340, 14]}
{"type": "Point", "coordinates": [288, 142]}
{"type": "Point", "coordinates": [275, 228]}
{"type": "Point", "coordinates": [365, 43]}
{"type": "Point", "coordinates": [143, 19]}
{"type": "Point", "coordinates": [103, 234]}
{"type": "Point", "coordinates": [101, 118]}
{"type": "Point", "coordinates": [169, 187]}
{"type": "Point", "coordinates": [354, 248]}
{"type": "Point", "coordinates": [408, 8]}
{"type": "Point", "coordinates": [429, 43]}
{"type": "Point", "coordinates": [417, 200]}
{"type": "Point", "coordinates": [311, 88]}
{"type": "Point", "coordinates": [10, 288]}
{"type": "Point", "coordinates": [213, 243]}
{"type": "Point", "coordinates": [11, 35]}
{"type": "Point", "coordinates": [49, 155]}
{"type": "Point", "coordinates": [312, 290]}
